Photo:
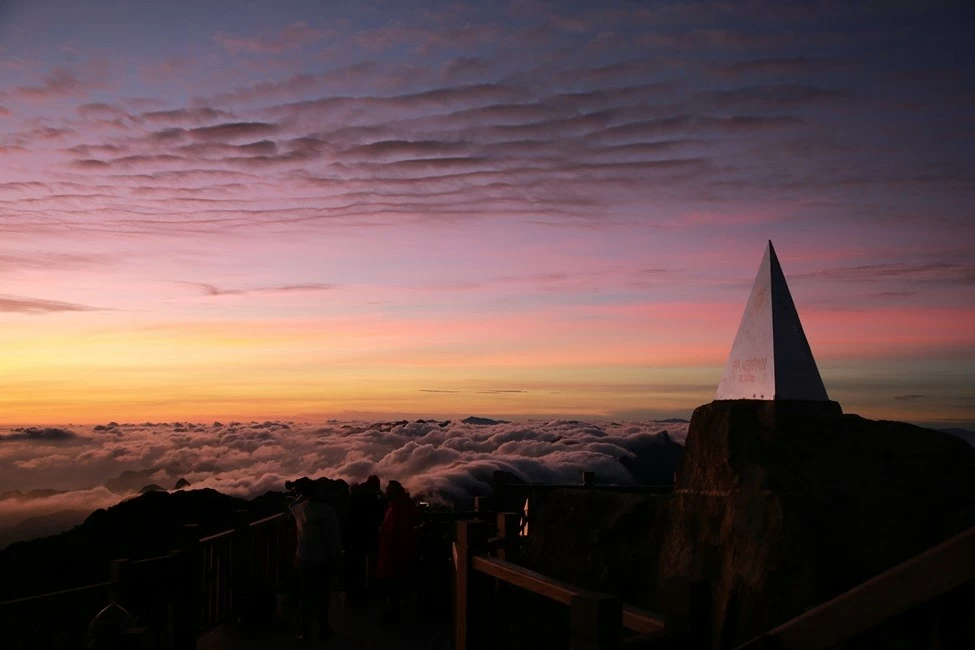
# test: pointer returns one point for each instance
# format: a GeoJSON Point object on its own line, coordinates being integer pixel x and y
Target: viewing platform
{"type": "Point", "coordinates": [194, 597]}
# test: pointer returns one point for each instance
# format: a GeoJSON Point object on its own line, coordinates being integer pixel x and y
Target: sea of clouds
{"type": "Point", "coordinates": [47, 470]}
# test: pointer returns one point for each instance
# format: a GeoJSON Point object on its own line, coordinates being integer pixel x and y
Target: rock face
{"type": "Point", "coordinates": [596, 540]}
{"type": "Point", "coordinates": [784, 505]}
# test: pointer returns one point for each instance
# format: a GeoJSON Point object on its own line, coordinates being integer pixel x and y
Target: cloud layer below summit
{"type": "Point", "coordinates": [96, 467]}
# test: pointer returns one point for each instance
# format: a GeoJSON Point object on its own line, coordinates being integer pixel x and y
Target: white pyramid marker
{"type": "Point", "coordinates": [770, 358]}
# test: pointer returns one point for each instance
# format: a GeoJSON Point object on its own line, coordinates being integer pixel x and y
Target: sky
{"type": "Point", "coordinates": [298, 209]}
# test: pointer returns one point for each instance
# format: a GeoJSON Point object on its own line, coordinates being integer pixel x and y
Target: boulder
{"type": "Point", "coordinates": [784, 505]}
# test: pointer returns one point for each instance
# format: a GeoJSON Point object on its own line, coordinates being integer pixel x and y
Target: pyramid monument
{"type": "Point", "coordinates": [771, 358]}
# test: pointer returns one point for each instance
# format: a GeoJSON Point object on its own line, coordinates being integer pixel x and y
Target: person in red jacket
{"type": "Point", "coordinates": [397, 546]}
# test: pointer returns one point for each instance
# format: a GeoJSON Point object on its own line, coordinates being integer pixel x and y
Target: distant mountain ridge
{"type": "Point", "coordinates": [141, 527]}
{"type": "Point", "coordinates": [30, 494]}
{"type": "Point", "coordinates": [484, 421]}
{"type": "Point", "coordinates": [965, 434]}
{"type": "Point", "coordinates": [41, 526]}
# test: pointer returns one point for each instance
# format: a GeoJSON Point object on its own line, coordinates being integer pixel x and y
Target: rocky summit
{"type": "Point", "coordinates": [784, 505]}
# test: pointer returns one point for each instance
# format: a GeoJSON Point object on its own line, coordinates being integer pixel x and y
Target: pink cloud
{"type": "Point", "coordinates": [21, 305]}
{"type": "Point", "coordinates": [168, 69]}
{"type": "Point", "coordinates": [101, 111]}
{"type": "Point", "coordinates": [293, 36]}
{"type": "Point", "coordinates": [60, 82]}
{"type": "Point", "coordinates": [890, 331]}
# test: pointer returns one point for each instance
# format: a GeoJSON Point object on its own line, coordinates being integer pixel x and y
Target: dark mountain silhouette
{"type": "Point", "coordinates": [30, 494]}
{"type": "Point", "coordinates": [41, 526]}
{"type": "Point", "coordinates": [181, 483]}
{"type": "Point", "coordinates": [129, 480]}
{"type": "Point", "coordinates": [152, 487]}
{"type": "Point", "coordinates": [141, 527]}
{"type": "Point", "coordinates": [965, 434]}
{"type": "Point", "coordinates": [389, 426]}
{"type": "Point", "coordinates": [134, 480]}
{"type": "Point", "coordinates": [656, 458]}
{"type": "Point", "coordinates": [486, 421]}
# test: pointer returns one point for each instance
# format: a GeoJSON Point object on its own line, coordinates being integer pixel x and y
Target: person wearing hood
{"type": "Point", "coordinates": [397, 546]}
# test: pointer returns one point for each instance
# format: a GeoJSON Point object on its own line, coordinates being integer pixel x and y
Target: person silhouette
{"type": "Point", "coordinates": [367, 506]}
{"type": "Point", "coordinates": [397, 547]}
{"type": "Point", "coordinates": [319, 546]}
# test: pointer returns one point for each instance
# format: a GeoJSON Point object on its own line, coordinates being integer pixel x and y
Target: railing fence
{"type": "Point", "coordinates": [499, 604]}
{"type": "Point", "coordinates": [175, 598]}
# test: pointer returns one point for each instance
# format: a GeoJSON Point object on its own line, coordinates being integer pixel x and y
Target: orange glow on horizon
{"type": "Point", "coordinates": [587, 361]}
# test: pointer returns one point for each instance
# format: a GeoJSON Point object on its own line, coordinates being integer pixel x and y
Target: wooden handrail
{"type": "Point", "coordinates": [216, 536]}
{"type": "Point", "coordinates": [151, 560]}
{"type": "Point", "coordinates": [640, 621]}
{"type": "Point", "coordinates": [253, 524]}
{"type": "Point", "coordinates": [496, 543]}
{"type": "Point", "coordinates": [560, 592]}
{"type": "Point", "coordinates": [642, 489]}
{"type": "Point", "coordinates": [267, 520]}
{"type": "Point", "coordinates": [937, 571]}
{"type": "Point", "coordinates": [634, 619]}
{"type": "Point", "coordinates": [66, 593]}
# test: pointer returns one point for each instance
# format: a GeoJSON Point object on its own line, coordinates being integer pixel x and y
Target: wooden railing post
{"type": "Point", "coordinates": [242, 577]}
{"type": "Point", "coordinates": [597, 622]}
{"type": "Point", "coordinates": [508, 530]}
{"type": "Point", "coordinates": [500, 493]}
{"type": "Point", "coordinates": [472, 539]}
{"type": "Point", "coordinates": [121, 574]}
{"type": "Point", "coordinates": [174, 603]}
{"type": "Point", "coordinates": [687, 610]}
{"type": "Point", "coordinates": [185, 583]}
{"type": "Point", "coordinates": [484, 507]}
